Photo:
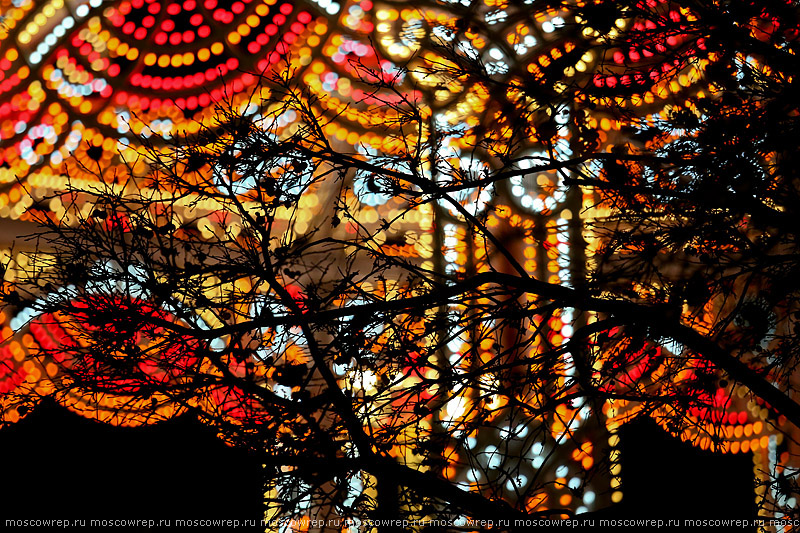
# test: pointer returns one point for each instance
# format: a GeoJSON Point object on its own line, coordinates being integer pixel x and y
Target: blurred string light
{"type": "Point", "coordinates": [83, 81]}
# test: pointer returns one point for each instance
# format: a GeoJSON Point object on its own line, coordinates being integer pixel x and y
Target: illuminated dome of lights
{"type": "Point", "coordinates": [82, 83]}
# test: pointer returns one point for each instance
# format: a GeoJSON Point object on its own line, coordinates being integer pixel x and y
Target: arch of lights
{"type": "Point", "coordinates": [82, 81]}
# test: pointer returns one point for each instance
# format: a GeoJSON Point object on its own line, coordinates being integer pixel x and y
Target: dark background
{"type": "Point", "coordinates": [663, 477]}
{"type": "Point", "coordinates": [56, 464]}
